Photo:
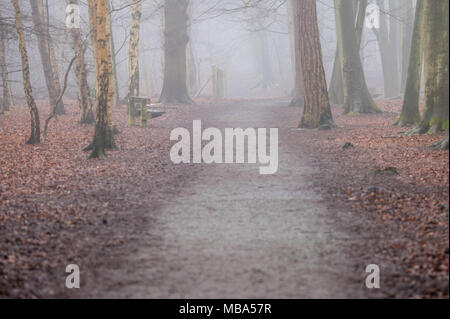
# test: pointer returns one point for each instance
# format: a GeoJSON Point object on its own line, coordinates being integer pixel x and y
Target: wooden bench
{"type": "Point", "coordinates": [141, 107]}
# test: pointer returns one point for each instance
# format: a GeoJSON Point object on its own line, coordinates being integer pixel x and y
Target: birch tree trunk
{"type": "Point", "coordinates": [133, 52]}
{"type": "Point", "coordinates": [35, 135]}
{"type": "Point", "coordinates": [104, 131]}
{"type": "Point", "coordinates": [116, 93]}
{"type": "Point", "coordinates": [47, 55]}
{"type": "Point", "coordinates": [317, 110]}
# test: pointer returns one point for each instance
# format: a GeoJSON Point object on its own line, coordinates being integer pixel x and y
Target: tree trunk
{"type": "Point", "coordinates": [7, 101]}
{"type": "Point", "coordinates": [133, 52]}
{"type": "Point", "coordinates": [47, 55]}
{"type": "Point", "coordinates": [192, 71]}
{"type": "Point", "coordinates": [436, 25]}
{"type": "Point", "coordinates": [86, 114]}
{"type": "Point", "coordinates": [407, 27]}
{"type": "Point", "coordinates": [175, 41]}
{"type": "Point", "coordinates": [317, 110]}
{"type": "Point", "coordinates": [104, 135]}
{"type": "Point", "coordinates": [35, 136]}
{"type": "Point", "coordinates": [299, 89]}
{"type": "Point", "coordinates": [410, 111]}
{"type": "Point", "coordinates": [388, 55]}
{"type": "Point", "coordinates": [357, 98]}
{"type": "Point", "coordinates": [336, 89]}
{"type": "Point", "coordinates": [116, 93]}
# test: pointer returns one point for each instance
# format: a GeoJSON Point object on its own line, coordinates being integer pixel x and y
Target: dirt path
{"type": "Point", "coordinates": [232, 233]}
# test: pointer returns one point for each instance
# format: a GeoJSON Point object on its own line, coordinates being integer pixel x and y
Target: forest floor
{"type": "Point", "coordinates": [140, 226]}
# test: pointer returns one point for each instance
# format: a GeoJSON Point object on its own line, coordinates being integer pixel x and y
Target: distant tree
{"type": "Point", "coordinates": [357, 98]}
{"type": "Point", "coordinates": [47, 54]}
{"type": "Point", "coordinates": [175, 62]}
{"type": "Point", "coordinates": [85, 103]}
{"type": "Point", "coordinates": [7, 101]}
{"type": "Point", "coordinates": [336, 88]}
{"type": "Point", "coordinates": [299, 88]}
{"type": "Point", "coordinates": [387, 42]}
{"type": "Point", "coordinates": [317, 110]}
{"type": "Point", "coordinates": [35, 136]}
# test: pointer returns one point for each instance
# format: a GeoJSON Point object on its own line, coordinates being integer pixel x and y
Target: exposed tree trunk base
{"type": "Point", "coordinates": [87, 118]}
{"type": "Point", "coordinates": [33, 140]}
{"type": "Point", "coordinates": [408, 120]}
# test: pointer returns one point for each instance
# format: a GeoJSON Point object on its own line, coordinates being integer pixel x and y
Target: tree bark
{"type": "Point", "coordinates": [47, 54]}
{"type": "Point", "coordinates": [357, 98]}
{"type": "Point", "coordinates": [317, 110]}
{"type": "Point", "coordinates": [175, 41]}
{"type": "Point", "coordinates": [410, 110]}
{"type": "Point", "coordinates": [35, 135]}
{"type": "Point", "coordinates": [133, 52]}
{"type": "Point", "coordinates": [7, 101]}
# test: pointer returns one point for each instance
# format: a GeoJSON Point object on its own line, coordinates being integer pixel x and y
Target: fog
{"type": "Point", "coordinates": [221, 34]}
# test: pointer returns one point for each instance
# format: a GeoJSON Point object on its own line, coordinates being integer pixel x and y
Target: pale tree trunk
{"type": "Point", "coordinates": [406, 27]}
{"type": "Point", "coordinates": [86, 114]}
{"type": "Point", "coordinates": [175, 41]}
{"type": "Point", "coordinates": [116, 95]}
{"type": "Point", "coordinates": [357, 98]}
{"type": "Point", "coordinates": [317, 110]}
{"type": "Point", "coordinates": [103, 134]}
{"type": "Point", "coordinates": [410, 111]}
{"type": "Point", "coordinates": [299, 88]}
{"type": "Point", "coordinates": [435, 27]}
{"type": "Point", "coordinates": [47, 55]}
{"type": "Point", "coordinates": [35, 136]}
{"type": "Point", "coordinates": [388, 54]}
{"type": "Point", "coordinates": [7, 102]}
{"type": "Point", "coordinates": [133, 52]}
{"type": "Point", "coordinates": [101, 42]}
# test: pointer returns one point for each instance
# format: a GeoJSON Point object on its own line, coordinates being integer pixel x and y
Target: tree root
{"type": "Point", "coordinates": [442, 145]}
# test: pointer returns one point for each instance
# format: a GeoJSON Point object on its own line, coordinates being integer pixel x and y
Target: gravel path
{"type": "Point", "coordinates": [232, 233]}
